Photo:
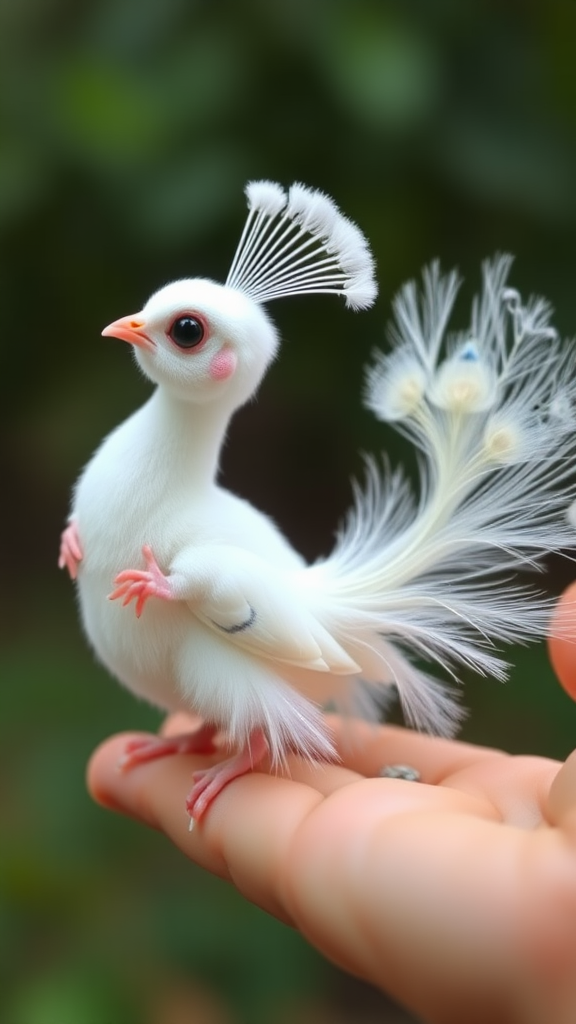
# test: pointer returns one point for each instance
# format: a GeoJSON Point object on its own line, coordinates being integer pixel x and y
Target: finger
{"type": "Point", "coordinates": [561, 805]}
{"type": "Point", "coordinates": [247, 833]}
{"type": "Point", "coordinates": [153, 793]}
{"type": "Point", "coordinates": [259, 834]}
{"type": "Point", "coordinates": [250, 824]}
{"type": "Point", "coordinates": [562, 644]}
{"type": "Point", "coordinates": [366, 748]}
{"type": "Point", "coordinates": [106, 780]}
{"type": "Point", "coordinates": [412, 883]}
{"type": "Point", "coordinates": [516, 787]}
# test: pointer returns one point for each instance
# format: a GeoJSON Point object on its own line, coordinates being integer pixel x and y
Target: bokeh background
{"type": "Point", "coordinates": [127, 131]}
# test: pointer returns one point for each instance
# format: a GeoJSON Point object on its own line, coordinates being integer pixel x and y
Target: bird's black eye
{"type": "Point", "coordinates": [186, 332]}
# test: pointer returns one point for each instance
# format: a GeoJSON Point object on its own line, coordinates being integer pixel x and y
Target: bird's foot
{"type": "Point", "coordinates": [209, 782]}
{"type": "Point", "coordinates": [149, 748]}
{"type": "Point", "coordinates": [140, 584]}
{"type": "Point", "coordinates": [71, 553]}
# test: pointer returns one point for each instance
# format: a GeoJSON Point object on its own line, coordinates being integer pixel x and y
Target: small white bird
{"type": "Point", "coordinates": [235, 627]}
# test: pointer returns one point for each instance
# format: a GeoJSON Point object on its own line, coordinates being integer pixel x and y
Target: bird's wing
{"type": "Point", "coordinates": [262, 609]}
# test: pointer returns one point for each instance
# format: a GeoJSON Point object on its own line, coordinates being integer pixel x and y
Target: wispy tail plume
{"type": "Point", "coordinates": [491, 411]}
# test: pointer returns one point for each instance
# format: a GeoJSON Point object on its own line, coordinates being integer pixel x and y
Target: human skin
{"type": "Point", "coordinates": [455, 894]}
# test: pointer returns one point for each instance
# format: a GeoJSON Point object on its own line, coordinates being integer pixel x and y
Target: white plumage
{"type": "Point", "coordinates": [230, 622]}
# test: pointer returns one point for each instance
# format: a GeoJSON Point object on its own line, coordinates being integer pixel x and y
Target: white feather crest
{"type": "Point", "coordinates": [299, 243]}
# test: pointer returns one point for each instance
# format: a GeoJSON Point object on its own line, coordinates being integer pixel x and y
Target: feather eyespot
{"type": "Point", "coordinates": [187, 332]}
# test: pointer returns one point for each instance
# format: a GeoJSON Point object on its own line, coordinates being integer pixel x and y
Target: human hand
{"type": "Point", "coordinates": [456, 894]}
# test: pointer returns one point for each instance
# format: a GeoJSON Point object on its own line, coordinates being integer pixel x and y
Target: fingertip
{"type": "Point", "coordinates": [561, 804]}
{"type": "Point", "coordinates": [107, 784]}
{"type": "Point", "coordinates": [246, 834]}
{"type": "Point", "coordinates": [562, 642]}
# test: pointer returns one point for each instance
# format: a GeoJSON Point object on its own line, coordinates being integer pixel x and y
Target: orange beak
{"type": "Point", "coordinates": [129, 328]}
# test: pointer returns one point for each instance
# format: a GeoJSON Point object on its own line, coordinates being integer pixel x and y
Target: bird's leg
{"type": "Point", "coordinates": [71, 553]}
{"type": "Point", "coordinates": [140, 584]}
{"type": "Point", "coordinates": [209, 782]}
{"type": "Point", "coordinates": [148, 748]}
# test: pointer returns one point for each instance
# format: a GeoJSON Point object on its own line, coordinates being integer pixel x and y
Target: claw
{"type": "Point", "coordinates": [71, 553]}
{"type": "Point", "coordinates": [149, 748]}
{"type": "Point", "coordinates": [140, 584]}
{"type": "Point", "coordinates": [209, 782]}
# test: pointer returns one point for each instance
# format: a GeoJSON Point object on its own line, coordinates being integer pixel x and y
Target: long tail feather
{"type": "Point", "coordinates": [490, 411]}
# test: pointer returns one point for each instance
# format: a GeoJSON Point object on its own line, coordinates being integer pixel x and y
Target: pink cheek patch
{"type": "Point", "coordinates": [223, 365]}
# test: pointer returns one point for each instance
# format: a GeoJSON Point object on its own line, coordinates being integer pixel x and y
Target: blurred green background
{"type": "Point", "coordinates": [127, 131]}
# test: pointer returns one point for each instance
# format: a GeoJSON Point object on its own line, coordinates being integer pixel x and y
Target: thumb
{"type": "Point", "coordinates": [562, 643]}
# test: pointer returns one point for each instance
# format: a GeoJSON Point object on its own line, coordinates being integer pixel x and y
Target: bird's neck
{"type": "Point", "coordinates": [189, 435]}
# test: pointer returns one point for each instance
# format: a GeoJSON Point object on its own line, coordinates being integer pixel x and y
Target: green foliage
{"type": "Point", "coordinates": [127, 131]}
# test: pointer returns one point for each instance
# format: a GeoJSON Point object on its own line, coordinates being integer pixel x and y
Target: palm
{"type": "Point", "coordinates": [456, 894]}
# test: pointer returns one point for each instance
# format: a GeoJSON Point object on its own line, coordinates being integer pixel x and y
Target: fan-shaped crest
{"type": "Point", "coordinates": [298, 243]}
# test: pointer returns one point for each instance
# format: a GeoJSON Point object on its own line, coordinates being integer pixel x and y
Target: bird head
{"type": "Point", "coordinates": [201, 340]}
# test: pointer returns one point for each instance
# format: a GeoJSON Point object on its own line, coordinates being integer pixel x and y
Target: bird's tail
{"type": "Point", "coordinates": [491, 412]}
